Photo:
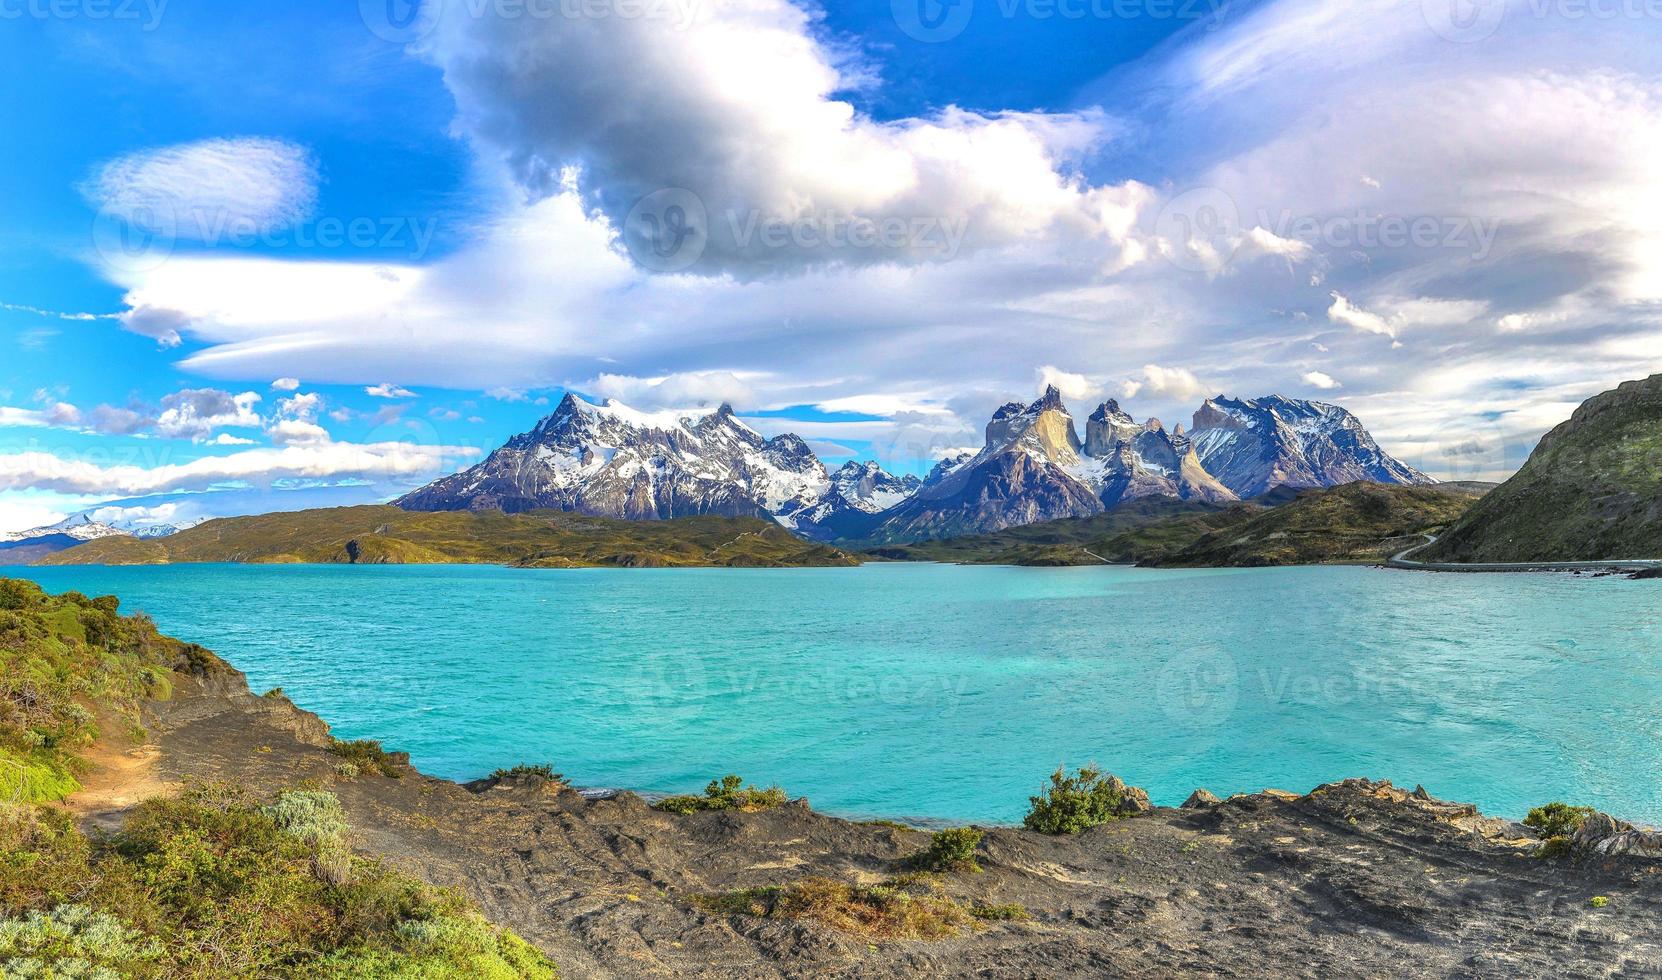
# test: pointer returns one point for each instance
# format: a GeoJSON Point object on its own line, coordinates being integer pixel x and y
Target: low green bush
{"type": "Point", "coordinates": [545, 773]}
{"type": "Point", "coordinates": [1557, 819]}
{"type": "Point", "coordinates": [1012, 912]}
{"type": "Point", "coordinates": [951, 850]}
{"type": "Point", "coordinates": [725, 794]}
{"type": "Point", "coordinates": [216, 884]}
{"type": "Point", "coordinates": [368, 756]}
{"type": "Point", "coordinates": [1071, 804]}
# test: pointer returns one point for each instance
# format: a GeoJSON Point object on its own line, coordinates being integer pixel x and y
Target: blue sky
{"type": "Point", "coordinates": [280, 256]}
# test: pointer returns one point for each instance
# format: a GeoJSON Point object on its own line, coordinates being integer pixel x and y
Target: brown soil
{"type": "Point", "coordinates": [1352, 880]}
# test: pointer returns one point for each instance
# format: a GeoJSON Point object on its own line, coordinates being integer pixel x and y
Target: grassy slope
{"type": "Point", "coordinates": [1132, 532]}
{"type": "Point", "coordinates": [544, 539]}
{"type": "Point", "coordinates": [213, 884]}
{"type": "Point", "coordinates": [1358, 523]}
{"type": "Point", "coordinates": [1591, 490]}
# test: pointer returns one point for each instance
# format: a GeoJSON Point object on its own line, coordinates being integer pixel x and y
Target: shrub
{"type": "Point", "coordinates": [1013, 912]}
{"type": "Point", "coordinates": [72, 941]}
{"type": "Point", "coordinates": [368, 756]}
{"type": "Point", "coordinates": [1557, 819]}
{"type": "Point", "coordinates": [312, 816]}
{"type": "Point", "coordinates": [725, 794]}
{"type": "Point", "coordinates": [544, 773]}
{"type": "Point", "coordinates": [222, 886]}
{"type": "Point", "coordinates": [1074, 803]}
{"type": "Point", "coordinates": [951, 850]}
{"type": "Point", "coordinates": [1599, 901]}
{"type": "Point", "coordinates": [900, 908]}
{"type": "Point", "coordinates": [1556, 822]}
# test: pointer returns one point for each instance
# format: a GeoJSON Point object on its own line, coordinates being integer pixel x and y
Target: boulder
{"type": "Point", "coordinates": [1200, 798]}
{"type": "Point", "coordinates": [1132, 800]}
{"type": "Point", "coordinates": [1604, 835]}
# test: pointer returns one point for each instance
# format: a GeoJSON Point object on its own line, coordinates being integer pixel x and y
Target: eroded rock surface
{"type": "Point", "coordinates": [1354, 879]}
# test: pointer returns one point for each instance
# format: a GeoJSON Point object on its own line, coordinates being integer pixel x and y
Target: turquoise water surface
{"type": "Point", "coordinates": [950, 692]}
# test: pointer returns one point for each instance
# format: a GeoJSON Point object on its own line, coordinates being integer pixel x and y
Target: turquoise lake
{"type": "Point", "coordinates": [933, 691]}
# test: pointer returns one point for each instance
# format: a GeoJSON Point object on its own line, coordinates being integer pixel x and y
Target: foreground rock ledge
{"type": "Point", "coordinates": [1355, 879]}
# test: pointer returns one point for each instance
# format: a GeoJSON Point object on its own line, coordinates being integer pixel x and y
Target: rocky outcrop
{"type": "Point", "coordinates": [1200, 799]}
{"type": "Point", "coordinates": [1601, 835]}
{"type": "Point", "coordinates": [1025, 474]}
{"type": "Point", "coordinates": [1131, 461]}
{"type": "Point", "coordinates": [1591, 490]}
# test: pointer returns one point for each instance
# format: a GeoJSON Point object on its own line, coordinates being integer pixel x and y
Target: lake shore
{"type": "Point", "coordinates": [1352, 879]}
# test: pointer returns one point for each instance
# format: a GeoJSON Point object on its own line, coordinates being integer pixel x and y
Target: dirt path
{"type": "Point", "coordinates": [118, 778]}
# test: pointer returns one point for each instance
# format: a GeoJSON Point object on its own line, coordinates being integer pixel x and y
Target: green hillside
{"type": "Point", "coordinates": [1355, 523]}
{"type": "Point", "coordinates": [1592, 490]}
{"type": "Point", "coordinates": [1132, 532]}
{"type": "Point", "coordinates": [215, 882]}
{"type": "Point", "coordinates": [537, 539]}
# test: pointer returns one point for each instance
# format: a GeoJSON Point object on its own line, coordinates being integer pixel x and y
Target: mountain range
{"type": "Point", "coordinates": [24, 547]}
{"type": "Point", "coordinates": [609, 460]}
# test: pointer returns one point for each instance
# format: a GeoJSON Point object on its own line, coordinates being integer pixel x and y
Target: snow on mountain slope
{"type": "Point", "coordinates": [79, 526]}
{"type": "Point", "coordinates": [1255, 445]}
{"type": "Point", "coordinates": [613, 461]}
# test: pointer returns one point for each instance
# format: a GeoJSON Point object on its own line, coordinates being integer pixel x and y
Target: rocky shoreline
{"type": "Point", "coordinates": [1355, 878]}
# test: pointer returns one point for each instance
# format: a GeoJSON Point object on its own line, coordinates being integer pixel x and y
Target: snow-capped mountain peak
{"type": "Point", "coordinates": [612, 460]}
{"type": "Point", "coordinates": [1254, 445]}
{"type": "Point", "coordinates": [81, 527]}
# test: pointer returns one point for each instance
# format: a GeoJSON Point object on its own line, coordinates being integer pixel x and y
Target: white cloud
{"type": "Point", "coordinates": [26, 515]}
{"type": "Point", "coordinates": [199, 190]}
{"type": "Point", "coordinates": [52, 415]}
{"type": "Point", "coordinates": [1170, 383]}
{"type": "Point", "coordinates": [1261, 241]}
{"type": "Point", "coordinates": [1319, 380]}
{"type": "Point", "coordinates": [161, 325]}
{"type": "Point", "coordinates": [297, 432]}
{"type": "Point", "coordinates": [739, 107]}
{"type": "Point", "coordinates": [685, 390]}
{"type": "Point", "coordinates": [1345, 312]}
{"type": "Point", "coordinates": [286, 384]}
{"type": "Point", "coordinates": [388, 390]}
{"type": "Point", "coordinates": [259, 467]}
{"type": "Point", "coordinates": [195, 413]}
{"type": "Point", "coordinates": [1074, 387]}
{"type": "Point", "coordinates": [1281, 108]}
